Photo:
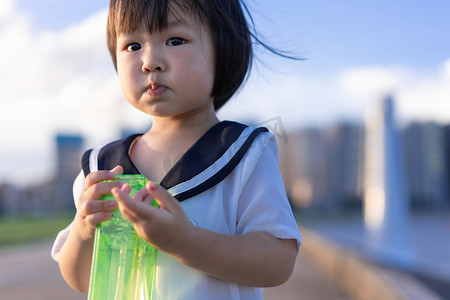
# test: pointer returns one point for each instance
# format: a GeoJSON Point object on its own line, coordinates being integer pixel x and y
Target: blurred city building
{"type": "Point", "coordinates": [426, 164]}
{"type": "Point", "coordinates": [51, 196]}
{"type": "Point", "coordinates": [68, 165]}
{"type": "Point", "coordinates": [447, 162]}
{"type": "Point", "coordinates": [323, 168]}
{"type": "Point", "coordinates": [386, 210]}
{"type": "Point", "coordinates": [305, 168]}
{"type": "Point", "coordinates": [396, 177]}
{"type": "Point", "coordinates": [345, 147]}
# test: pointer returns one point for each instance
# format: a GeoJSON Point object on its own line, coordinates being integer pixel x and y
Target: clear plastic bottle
{"type": "Point", "coordinates": [123, 264]}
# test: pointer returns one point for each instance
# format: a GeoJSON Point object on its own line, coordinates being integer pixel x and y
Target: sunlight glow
{"type": "Point", "coordinates": [375, 202]}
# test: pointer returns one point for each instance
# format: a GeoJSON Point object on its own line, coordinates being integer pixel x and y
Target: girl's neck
{"type": "Point", "coordinates": [172, 128]}
{"type": "Point", "coordinates": [163, 145]}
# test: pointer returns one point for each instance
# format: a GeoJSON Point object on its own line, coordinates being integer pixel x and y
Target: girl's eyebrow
{"type": "Point", "coordinates": [176, 22]}
{"type": "Point", "coordinates": [181, 24]}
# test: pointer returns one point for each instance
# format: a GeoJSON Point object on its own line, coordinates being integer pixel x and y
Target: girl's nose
{"type": "Point", "coordinates": [152, 62]}
{"type": "Point", "coordinates": [149, 67]}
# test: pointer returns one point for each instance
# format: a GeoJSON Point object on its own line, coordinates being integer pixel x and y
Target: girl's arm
{"type": "Point", "coordinates": [252, 259]}
{"type": "Point", "coordinates": [75, 256]}
{"type": "Point", "coordinates": [75, 259]}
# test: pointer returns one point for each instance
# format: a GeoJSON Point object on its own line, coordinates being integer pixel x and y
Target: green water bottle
{"type": "Point", "coordinates": [123, 264]}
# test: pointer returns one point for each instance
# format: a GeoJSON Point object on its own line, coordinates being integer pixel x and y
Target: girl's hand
{"type": "Point", "coordinates": [91, 210]}
{"type": "Point", "coordinates": [166, 228]}
{"type": "Point", "coordinates": [251, 259]}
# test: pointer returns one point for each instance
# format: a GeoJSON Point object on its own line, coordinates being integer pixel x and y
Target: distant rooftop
{"type": "Point", "coordinates": [69, 139]}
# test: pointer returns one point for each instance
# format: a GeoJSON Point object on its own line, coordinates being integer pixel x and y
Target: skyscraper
{"type": "Point", "coordinates": [345, 151]}
{"type": "Point", "coordinates": [68, 164]}
{"type": "Point", "coordinates": [386, 211]}
{"type": "Point", "coordinates": [425, 157]}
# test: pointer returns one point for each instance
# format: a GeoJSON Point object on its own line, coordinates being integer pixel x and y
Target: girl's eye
{"type": "Point", "coordinates": [133, 47]}
{"type": "Point", "coordinates": [176, 41]}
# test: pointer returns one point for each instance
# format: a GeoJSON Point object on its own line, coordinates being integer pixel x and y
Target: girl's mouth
{"type": "Point", "coordinates": [155, 90]}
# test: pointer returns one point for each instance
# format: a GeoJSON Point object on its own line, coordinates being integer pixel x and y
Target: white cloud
{"type": "Point", "coordinates": [372, 80]}
{"type": "Point", "coordinates": [64, 81]}
{"type": "Point", "coordinates": [6, 7]}
{"type": "Point", "coordinates": [419, 95]}
{"type": "Point", "coordinates": [302, 100]}
{"type": "Point", "coordinates": [53, 81]}
{"type": "Point", "coordinates": [428, 97]}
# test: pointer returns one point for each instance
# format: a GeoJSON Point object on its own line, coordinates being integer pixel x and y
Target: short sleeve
{"type": "Point", "coordinates": [63, 234]}
{"type": "Point", "coordinates": [263, 205]}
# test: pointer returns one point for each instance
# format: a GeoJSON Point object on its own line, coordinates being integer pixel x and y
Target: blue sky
{"type": "Point", "coordinates": [377, 32]}
{"type": "Point", "coordinates": [56, 75]}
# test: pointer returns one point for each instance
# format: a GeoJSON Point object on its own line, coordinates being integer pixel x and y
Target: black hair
{"type": "Point", "coordinates": [226, 20]}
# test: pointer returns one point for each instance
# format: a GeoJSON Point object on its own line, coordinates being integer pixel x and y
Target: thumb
{"type": "Point", "coordinates": [118, 170]}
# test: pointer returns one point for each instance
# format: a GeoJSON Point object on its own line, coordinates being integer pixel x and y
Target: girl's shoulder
{"type": "Point", "coordinates": [108, 156]}
{"type": "Point", "coordinates": [211, 159]}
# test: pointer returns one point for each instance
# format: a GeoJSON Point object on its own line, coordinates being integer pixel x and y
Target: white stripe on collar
{"type": "Point", "coordinates": [213, 168]}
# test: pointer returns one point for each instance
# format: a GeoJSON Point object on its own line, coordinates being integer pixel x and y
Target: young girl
{"type": "Point", "coordinates": [224, 227]}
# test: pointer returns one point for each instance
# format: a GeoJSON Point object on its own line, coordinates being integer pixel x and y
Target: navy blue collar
{"type": "Point", "coordinates": [206, 163]}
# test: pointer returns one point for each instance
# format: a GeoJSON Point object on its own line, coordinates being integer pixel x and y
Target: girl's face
{"type": "Point", "coordinates": [169, 73]}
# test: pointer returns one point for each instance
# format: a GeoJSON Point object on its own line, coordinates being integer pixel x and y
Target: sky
{"type": "Point", "coordinates": [56, 75]}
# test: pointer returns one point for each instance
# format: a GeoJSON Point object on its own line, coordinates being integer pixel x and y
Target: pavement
{"type": "Point", "coordinates": [307, 282]}
{"type": "Point", "coordinates": [28, 272]}
{"type": "Point", "coordinates": [428, 237]}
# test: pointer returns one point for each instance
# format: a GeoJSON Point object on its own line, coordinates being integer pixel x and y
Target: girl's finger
{"type": "Point", "coordinates": [93, 219]}
{"type": "Point", "coordinates": [100, 189]}
{"type": "Point", "coordinates": [148, 199]}
{"type": "Point", "coordinates": [118, 170]}
{"type": "Point", "coordinates": [98, 176]}
{"type": "Point", "coordinates": [126, 188]}
{"type": "Point", "coordinates": [141, 195]}
{"type": "Point", "coordinates": [131, 209]}
{"type": "Point", "coordinates": [98, 206]}
{"type": "Point", "coordinates": [162, 196]}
